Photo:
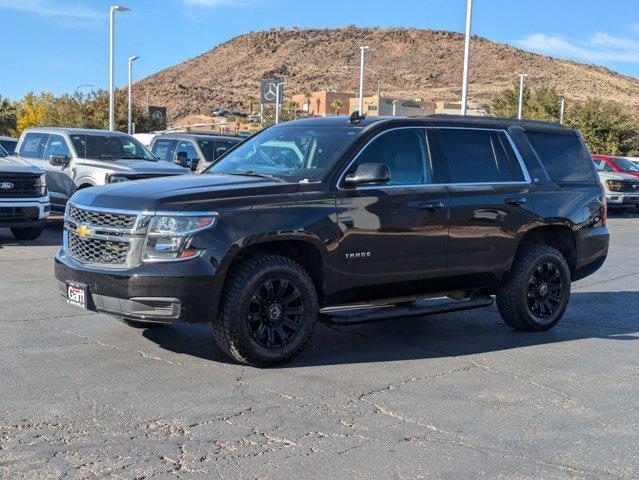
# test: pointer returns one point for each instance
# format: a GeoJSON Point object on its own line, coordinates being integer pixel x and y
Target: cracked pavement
{"type": "Point", "coordinates": [448, 396]}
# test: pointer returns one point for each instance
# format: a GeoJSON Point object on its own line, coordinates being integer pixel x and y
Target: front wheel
{"type": "Point", "coordinates": [534, 295]}
{"type": "Point", "coordinates": [27, 233]}
{"type": "Point", "coordinates": [268, 311]}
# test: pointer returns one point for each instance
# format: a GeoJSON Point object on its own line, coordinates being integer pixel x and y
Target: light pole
{"type": "Point", "coordinates": [469, 18]}
{"type": "Point", "coordinates": [130, 116]}
{"type": "Point", "coordinates": [562, 99]}
{"type": "Point", "coordinates": [521, 94]}
{"type": "Point", "coordinates": [112, 10]}
{"type": "Point", "coordinates": [361, 77]}
{"type": "Point", "coordinates": [374, 72]}
{"type": "Point", "coordinates": [277, 102]}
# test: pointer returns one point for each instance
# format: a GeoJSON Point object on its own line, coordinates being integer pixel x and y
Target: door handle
{"type": "Point", "coordinates": [432, 206]}
{"type": "Point", "coordinates": [516, 201]}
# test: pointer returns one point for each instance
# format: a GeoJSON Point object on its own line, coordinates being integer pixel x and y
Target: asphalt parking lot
{"type": "Point", "coordinates": [448, 396]}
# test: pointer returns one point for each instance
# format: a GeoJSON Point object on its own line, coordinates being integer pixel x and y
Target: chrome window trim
{"type": "Point", "coordinates": [526, 181]}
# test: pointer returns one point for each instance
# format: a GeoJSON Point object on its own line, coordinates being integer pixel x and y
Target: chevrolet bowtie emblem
{"type": "Point", "coordinates": [83, 231]}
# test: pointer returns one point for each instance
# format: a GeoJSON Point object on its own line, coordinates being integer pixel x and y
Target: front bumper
{"type": "Point", "coordinates": [160, 292]}
{"type": "Point", "coordinates": [28, 212]}
{"type": "Point", "coordinates": [622, 199]}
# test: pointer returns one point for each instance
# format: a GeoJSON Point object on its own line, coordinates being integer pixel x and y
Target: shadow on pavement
{"type": "Point", "coordinates": [51, 236]}
{"type": "Point", "coordinates": [454, 334]}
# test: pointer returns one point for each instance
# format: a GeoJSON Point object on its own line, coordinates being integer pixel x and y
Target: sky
{"type": "Point", "coordinates": [62, 45]}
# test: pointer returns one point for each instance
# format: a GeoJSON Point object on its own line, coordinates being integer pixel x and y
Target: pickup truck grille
{"type": "Point", "coordinates": [16, 185]}
{"type": "Point", "coordinates": [101, 219]}
{"type": "Point", "coordinates": [629, 187]}
{"type": "Point", "coordinates": [93, 250]}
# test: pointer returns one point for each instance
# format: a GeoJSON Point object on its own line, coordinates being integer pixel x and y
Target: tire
{"type": "Point", "coordinates": [534, 295]}
{"type": "Point", "coordinates": [27, 233]}
{"type": "Point", "coordinates": [139, 323]}
{"type": "Point", "coordinates": [252, 325]}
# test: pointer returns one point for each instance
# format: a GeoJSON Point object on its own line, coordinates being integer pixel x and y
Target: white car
{"type": "Point", "coordinates": [622, 190]}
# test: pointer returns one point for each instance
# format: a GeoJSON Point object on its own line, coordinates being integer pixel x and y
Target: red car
{"type": "Point", "coordinates": [608, 163]}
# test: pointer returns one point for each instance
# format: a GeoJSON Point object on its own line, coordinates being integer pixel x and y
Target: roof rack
{"type": "Point", "coordinates": [489, 118]}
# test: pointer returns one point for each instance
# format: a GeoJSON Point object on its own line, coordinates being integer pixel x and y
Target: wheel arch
{"type": "Point", "coordinates": [559, 236]}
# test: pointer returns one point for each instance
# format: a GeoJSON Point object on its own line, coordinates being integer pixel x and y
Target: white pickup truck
{"type": "Point", "coordinates": [24, 199]}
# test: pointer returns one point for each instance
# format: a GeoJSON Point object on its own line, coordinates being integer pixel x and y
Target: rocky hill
{"type": "Point", "coordinates": [412, 63]}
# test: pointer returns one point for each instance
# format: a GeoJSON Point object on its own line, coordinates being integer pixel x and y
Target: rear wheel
{"type": "Point", "coordinates": [27, 233]}
{"type": "Point", "coordinates": [139, 323]}
{"type": "Point", "coordinates": [268, 311]}
{"type": "Point", "coordinates": [534, 295]}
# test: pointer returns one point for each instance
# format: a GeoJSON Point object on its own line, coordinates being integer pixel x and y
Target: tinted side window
{"type": "Point", "coordinates": [477, 156]}
{"type": "Point", "coordinates": [33, 145]}
{"type": "Point", "coordinates": [56, 145]}
{"type": "Point", "coordinates": [163, 149]}
{"type": "Point", "coordinates": [563, 156]}
{"type": "Point", "coordinates": [222, 146]}
{"type": "Point", "coordinates": [405, 152]}
{"type": "Point", "coordinates": [187, 147]}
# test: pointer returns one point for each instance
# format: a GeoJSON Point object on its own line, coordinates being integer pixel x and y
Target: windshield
{"type": "Point", "coordinates": [9, 145]}
{"type": "Point", "coordinates": [292, 153]}
{"type": "Point", "coordinates": [626, 165]}
{"type": "Point", "coordinates": [110, 147]}
{"type": "Point", "coordinates": [3, 152]}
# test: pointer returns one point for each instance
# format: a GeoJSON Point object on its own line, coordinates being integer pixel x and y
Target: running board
{"type": "Point", "coordinates": [355, 316]}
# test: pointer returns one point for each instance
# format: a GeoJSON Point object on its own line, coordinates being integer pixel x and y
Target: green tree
{"type": "Point", "coordinates": [606, 126]}
{"type": "Point", "coordinates": [337, 105]}
{"type": "Point", "coordinates": [8, 117]}
{"type": "Point", "coordinates": [540, 104]}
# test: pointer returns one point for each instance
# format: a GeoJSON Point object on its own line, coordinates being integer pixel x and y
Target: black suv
{"type": "Point", "coordinates": [327, 212]}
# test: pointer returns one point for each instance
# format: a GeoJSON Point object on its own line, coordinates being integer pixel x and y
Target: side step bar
{"type": "Point", "coordinates": [355, 316]}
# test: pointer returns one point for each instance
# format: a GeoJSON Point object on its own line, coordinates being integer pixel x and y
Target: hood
{"type": "Point", "coordinates": [12, 164]}
{"type": "Point", "coordinates": [616, 176]}
{"type": "Point", "coordinates": [132, 166]}
{"type": "Point", "coordinates": [193, 192]}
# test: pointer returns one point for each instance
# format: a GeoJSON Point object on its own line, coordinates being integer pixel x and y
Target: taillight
{"type": "Point", "coordinates": [604, 206]}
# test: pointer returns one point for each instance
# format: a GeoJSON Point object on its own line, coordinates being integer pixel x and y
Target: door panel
{"type": "Point", "coordinates": [61, 178]}
{"type": "Point", "coordinates": [394, 236]}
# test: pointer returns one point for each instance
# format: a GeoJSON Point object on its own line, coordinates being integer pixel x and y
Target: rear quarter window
{"type": "Point", "coordinates": [564, 157]}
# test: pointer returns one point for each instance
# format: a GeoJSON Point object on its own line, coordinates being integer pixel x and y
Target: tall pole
{"type": "Point", "coordinates": [361, 78]}
{"type": "Point", "coordinates": [277, 102]}
{"type": "Point", "coordinates": [112, 10]}
{"type": "Point", "coordinates": [521, 94]}
{"type": "Point", "coordinates": [561, 108]}
{"type": "Point", "coordinates": [130, 115]}
{"type": "Point", "coordinates": [469, 18]}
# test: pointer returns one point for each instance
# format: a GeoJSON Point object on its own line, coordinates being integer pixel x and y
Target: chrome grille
{"type": "Point", "coordinates": [100, 219]}
{"type": "Point", "coordinates": [94, 250]}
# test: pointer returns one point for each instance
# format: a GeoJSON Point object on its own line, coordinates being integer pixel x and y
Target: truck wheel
{"type": "Point", "coordinates": [534, 295]}
{"type": "Point", "coordinates": [27, 233]}
{"type": "Point", "coordinates": [139, 323]}
{"type": "Point", "coordinates": [268, 311]}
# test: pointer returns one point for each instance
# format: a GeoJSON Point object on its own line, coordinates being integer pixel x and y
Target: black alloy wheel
{"type": "Point", "coordinates": [544, 290]}
{"type": "Point", "coordinates": [274, 313]}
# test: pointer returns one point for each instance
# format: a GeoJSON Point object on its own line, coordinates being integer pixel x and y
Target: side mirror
{"type": "Point", "coordinates": [369, 173]}
{"type": "Point", "coordinates": [181, 159]}
{"type": "Point", "coordinates": [59, 160]}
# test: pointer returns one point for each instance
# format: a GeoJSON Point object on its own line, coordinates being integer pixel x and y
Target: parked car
{"type": "Point", "coordinates": [193, 150]}
{"type": "Point", "coordinates": [610, 163]}
{"type": "Point", "coordinates": [330, 211]}
{"type": "Point", "coordinates": [622, 190]}
{"type": "Point", "coordinates": [9, 144]}
{"type": "Point", "coordinates": [24, 200]}
{"type": "Point", "coordinates": [75, 158]}
{"type": "Point", "coordinates": [145, 138]}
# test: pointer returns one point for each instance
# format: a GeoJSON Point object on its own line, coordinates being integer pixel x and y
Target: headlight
{"type": "Point", "coordinates": [114, 178]}
{"type": "Point", "coordinates": [614, 185]}
{"type": "Point", "coordinates": [40, 184]}
{"type": "Point", "coordinates": [169, 236]}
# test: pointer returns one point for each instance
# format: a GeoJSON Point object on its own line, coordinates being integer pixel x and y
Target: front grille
{"type": "Point", "coordinates": [19, 186]}
{"type": "Point", "coordinates": [94, 250]}
{"type": "Point", "coordinates": [18, 214]}
{"type": "Point", "coordinates": [101, 219]}
{"type": "Point", "coordinates": [629, 187]}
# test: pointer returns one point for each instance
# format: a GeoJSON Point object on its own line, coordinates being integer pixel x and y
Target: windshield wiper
{"type": "Point", "coordinates": [129, 156]}
{"type": "Point", "coordinates": [251, 173]}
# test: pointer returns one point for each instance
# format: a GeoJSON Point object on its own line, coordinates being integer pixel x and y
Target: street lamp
{"type": "Point", "coordinates": [469, 17]}
{"type": "Point", "coordinates": [362, 50]}
{"type": "Point", "coordinates": [521, 94]}
{"type": "Point", "coordinates": [130, 122]}
{"type": "Point", "coordinates": [562, 99]}
{"type": "Point", "coordinates": [374, 72]}
{"type": "Point", "coordinates": [277, 102]}
{"type": "Point", "coordinates": [112, 10]}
